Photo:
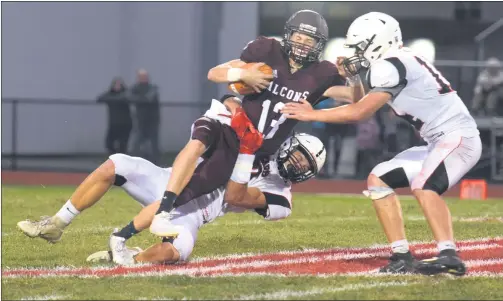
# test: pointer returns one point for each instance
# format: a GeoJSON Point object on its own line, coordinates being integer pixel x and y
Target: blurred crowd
{"type": "Point", "coordinates": [133, 111]}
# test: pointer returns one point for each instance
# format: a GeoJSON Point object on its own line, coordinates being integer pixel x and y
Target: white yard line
{"type": "Point", "coordinates": [47, 297]}
{"type": "Point", "coordinates": [284, 294]}
{"type": "Point", "coordinates": [108, 229]}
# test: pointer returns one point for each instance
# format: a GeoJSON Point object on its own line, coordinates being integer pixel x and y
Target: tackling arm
{"type": "Point", "coordinates": [353, 112]}
{"type": "Point", "coordinates": [350, 94]}
{"type": "Point", "coordinates": [386, 82]}
{"type": "Point", "coordinates": [251, 198]}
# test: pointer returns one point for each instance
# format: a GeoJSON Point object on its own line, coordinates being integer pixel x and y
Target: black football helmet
{"type": "Point", "coordinates": [310, 23]}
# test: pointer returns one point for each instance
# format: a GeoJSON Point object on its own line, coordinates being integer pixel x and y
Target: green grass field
{"type": "Point", "coordinates": [318, 222]}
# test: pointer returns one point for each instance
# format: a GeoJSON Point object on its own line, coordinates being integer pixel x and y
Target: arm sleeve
{"type": "Point", "coordinates": [278, 207]}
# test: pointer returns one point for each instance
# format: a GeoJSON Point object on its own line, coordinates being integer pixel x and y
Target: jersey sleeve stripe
{"type": "Point", "coordinates": [275, 199]}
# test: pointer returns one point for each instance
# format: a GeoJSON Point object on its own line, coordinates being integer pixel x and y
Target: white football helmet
{"type": "Point", "coordinates": [371, 35]}
{"type": "Point", "coordinates": [297, 167]}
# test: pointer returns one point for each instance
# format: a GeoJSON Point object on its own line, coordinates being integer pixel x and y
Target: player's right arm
{"type": "Point", "coordinates": [220, 73]}
{"type": "Point", "coordinates": [232, 71]}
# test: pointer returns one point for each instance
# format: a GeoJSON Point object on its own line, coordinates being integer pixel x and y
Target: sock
{"type": "Point", "coordinates": [446, 245]}
{"type": "Point", "coordinates": [128, 231]}
{"type": "Point", "coordinates": [167, 202]}
{"type": "Point", "coordinates": [400, 246]}
{"type": "Point", "coordinates": [67, 213]}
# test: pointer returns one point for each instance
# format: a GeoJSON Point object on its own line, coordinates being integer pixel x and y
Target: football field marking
{"type": "Point", "coordinates": [108, 229]}
{"type": "Point", "coordinates": [483, 255]}
{"type": "Point", "coordinates": [47, 297]}
{"type": "Point", "coordinates": [284, 294]}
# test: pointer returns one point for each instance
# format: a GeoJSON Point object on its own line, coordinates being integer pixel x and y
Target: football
{"type": "Point", "coordinates": [242, 88]}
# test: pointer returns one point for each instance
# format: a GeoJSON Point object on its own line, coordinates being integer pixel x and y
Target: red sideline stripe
{"type": "Point", "coordinates": [287, 255]}
{"type": "Point", "coordinates": [338, 266]}
{"type": "Point", "coordinates": [218, 262]}
{"type": "Point", "coordinates": [342, 266]}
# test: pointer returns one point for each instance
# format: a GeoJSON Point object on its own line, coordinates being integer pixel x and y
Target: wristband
{"type": "Point", "coordinates": [234, 74]}
{"type": "Point", "coordinates": [243, 168]}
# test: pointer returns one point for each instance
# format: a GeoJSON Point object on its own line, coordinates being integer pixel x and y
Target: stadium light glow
{"type": "Point", "coordinates": [335, 47]}
{"type": "Point", "coordinates": [424, 47]}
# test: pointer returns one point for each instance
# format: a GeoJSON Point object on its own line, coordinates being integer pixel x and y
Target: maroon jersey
{"type": "Point", "coordinates": [263, 108]}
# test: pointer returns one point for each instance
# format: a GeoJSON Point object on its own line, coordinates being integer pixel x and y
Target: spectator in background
{"type": "Point", "coordinates": [388, 123]}
{"type": "Point", "coordinates": [119, 117]}
{"type": "Point", "coordinates": [328, 132]}
{"type": "Point", "coordinates": [489, 89]}
{"type": "Point", "coordinates": [320, 130]}
{"type": "Point", "coordinates": [369, 145]}
{"type": "Point", "coordinates": [145, 97]}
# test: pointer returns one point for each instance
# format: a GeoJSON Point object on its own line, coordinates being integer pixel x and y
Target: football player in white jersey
{"type": "Point", "coordinates": [299, 158]}
{"type": "Point", "coordinates": [417, 92]}
{"type": "Point", "coordinates": [269, 194]}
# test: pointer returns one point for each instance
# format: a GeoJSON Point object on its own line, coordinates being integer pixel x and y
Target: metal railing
{"type": "Point", "coordinates": [52, 129]}
{"type": "Point", "coordinates": [481, 37]}
{"type": "Point", "coordinates": [30, 125]}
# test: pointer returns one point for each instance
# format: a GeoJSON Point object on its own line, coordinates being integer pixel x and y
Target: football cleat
{"type": "Point", "coordinates": [48, 228]}
{"type": "Point", "coordinates": [162, 226]}
{"type": "Point", "coordinates": [121, 254]}
{"type": "Point", "coordinates": [106, 256]}
{"type": "Point", "coordinates": [446, 262]}
{"type": "Point", "coordinates": [400, 263]}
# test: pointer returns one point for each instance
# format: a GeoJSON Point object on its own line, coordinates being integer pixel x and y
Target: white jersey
{"type": "Point", "coordinates": [278, 193]}
{"type": "Point", "coordinates": [420, 94]}
{"type": "Point", "coordinates": [146, 183]}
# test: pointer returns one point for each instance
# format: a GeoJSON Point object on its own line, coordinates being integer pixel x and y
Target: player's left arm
{"type": "Point", "coordinates": [271, 206]}
{"type": "Point", "coordinates": [386, 82]}
{"type": "Point", "coordinates": [251, 199]}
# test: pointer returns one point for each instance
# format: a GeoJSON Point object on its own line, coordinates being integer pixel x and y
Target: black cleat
{"type": "Point", "coordinates": [400, 263]}
{"type": "Point", "coordinates": [446, 262]}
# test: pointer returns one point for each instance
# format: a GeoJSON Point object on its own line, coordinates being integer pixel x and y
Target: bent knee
{"type": "Point", "coordinates": [107, 170]}
{"type": "Point", "coordinates": [197, 146]}
{"type": "Point", "coordinates": [373, 180]}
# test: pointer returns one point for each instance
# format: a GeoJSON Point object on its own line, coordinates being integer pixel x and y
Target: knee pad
{"type": "Point", "coordinates": [378, 192]}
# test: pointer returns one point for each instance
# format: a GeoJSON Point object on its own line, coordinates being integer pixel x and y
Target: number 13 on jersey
{"type": "Point", "coordinates": [274, 123]}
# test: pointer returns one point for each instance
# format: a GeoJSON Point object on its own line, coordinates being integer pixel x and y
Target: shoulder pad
{"type": "Point", "coordinates": [387, 73]}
